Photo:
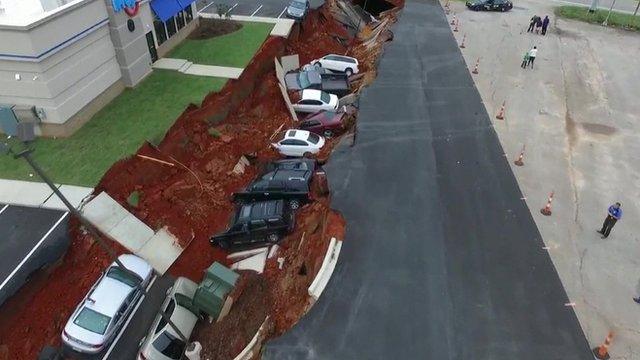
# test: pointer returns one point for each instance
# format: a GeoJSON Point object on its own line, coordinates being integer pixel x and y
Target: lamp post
{"type": "Point", "coordinates": [605, 22]}
{"type": "Point", "coordinates": [26, 155]}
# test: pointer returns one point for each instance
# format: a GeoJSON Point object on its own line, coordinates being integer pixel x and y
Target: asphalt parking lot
{"type": "Point", "coordinates": [262, 8]}
{"type": "Point", "coordinates": [30, 238]}
{"type": "Point", "coordinates": [125, 344]}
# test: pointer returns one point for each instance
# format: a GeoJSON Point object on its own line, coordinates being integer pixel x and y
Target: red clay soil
{"type": "Point", "coordinates": [191, 198]}
{"type": "Point", "coordinates": [34, 318]}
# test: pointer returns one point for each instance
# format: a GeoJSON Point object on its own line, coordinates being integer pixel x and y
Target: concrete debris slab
{"type": "Point", "coordinates": [213, 71]}
{"type": "Point", "coordinates": [37, 194]}
{"type": "Point", "coordinates": [273, 251]}
{"type": "Point", "coordinates": [74, 194]}
{"type": "Point", "coordinates": [326, 270]}
{"type": "Point", "coordinates": [169, 64]}
{"type": "Point", "coordinates": [159, 249]}
{"type": "Point", "coordinates": [246, 253]}
{"type": "Point", "coordinates": [255, 263]}
{"type": "Point", "coordinates": [282, 28]}
{"type": "Point", "coordinates": [243, 162]}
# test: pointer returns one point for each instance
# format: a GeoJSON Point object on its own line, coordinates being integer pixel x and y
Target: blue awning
{"type": "Point", "coordinates": [165, 9]}
{"type": "Point", "coordinates": [185, 3]}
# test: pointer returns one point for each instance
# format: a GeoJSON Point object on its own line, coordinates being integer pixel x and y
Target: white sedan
{"type": "Point", "coordinates": [99, 316]}
{"type": "Point", "coordinates": [162, 342]}
{"type": "Point", "coordinates": [339, 63]}
{"type": "Point", "coordinates": [316, 100]}
{"type": "Point", "coordinates": [299, 143]}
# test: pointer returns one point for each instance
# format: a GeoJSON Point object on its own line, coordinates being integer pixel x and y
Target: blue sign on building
{"type": "Point", "coordinates": [118, 5]}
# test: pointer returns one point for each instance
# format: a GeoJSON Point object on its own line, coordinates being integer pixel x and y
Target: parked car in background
{"type": "Point", "coordinates": [257, 223]}
{"type": "Point", "coordinates": [337, 84]}
{"type": "Point", "coordinates": [297, 9]}
{"type": "Point", "coordinates": [299, 143]}
{"type": "Point", "coordinates": [99, 316]}
{"type": "Point", "coordinates": [490, 5]}
{"type": "Point", "coordinates": [162, 342]}
{"type": "Point", "coordinates": [325, 123]}
{"type": "Point", "coordinates": [288, 179]}
{"type": "Point", "coordinates": [315, 100]}
{"type": "Point", "coordinates": [339, 63]}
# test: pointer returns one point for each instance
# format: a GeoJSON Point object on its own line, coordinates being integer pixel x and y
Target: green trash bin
{"type": "Point", "coordinates": [214, 288]}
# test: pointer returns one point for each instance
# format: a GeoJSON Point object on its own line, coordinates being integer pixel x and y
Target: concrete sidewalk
{"type": "Point", "coordinates": [189, 68]}
{"type": "Point", "coordinates": [36, 194]}
{"type": "Point", "coordinates": [578, 116]}
{"type": "Point", "coordinates": [281, 28]}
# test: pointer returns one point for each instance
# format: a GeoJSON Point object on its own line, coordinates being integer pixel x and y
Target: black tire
{"type": "Point", "coordinates": [328, 133]}
{"type": "Point", "coordinates": [294, 204]}
{"type": "Point", "coordinates": [307, 155]}
{"type": "Point", "coordinates": [273, 238]}
{"type": "Point", "coordinates": [318, 64]}
{"type": "Point", "coordinates": [348, 71]}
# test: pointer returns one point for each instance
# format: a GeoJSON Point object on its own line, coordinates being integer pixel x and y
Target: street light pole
{"type": "Point", "coordinates": [605, 22]}
{"type": "Point", "coordinates": [637, 6]}
{"type": "Point", "coordinates": [26, 154]}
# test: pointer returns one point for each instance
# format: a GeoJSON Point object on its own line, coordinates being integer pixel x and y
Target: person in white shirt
{"type": "Point", "coordinates": [532, 55]}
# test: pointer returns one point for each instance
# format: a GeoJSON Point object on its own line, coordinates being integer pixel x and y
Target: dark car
{"type": "Point", "coordinates": [337, 84]}
{"type": "Point", "coordinates": [490, 5]}
{"type": "Point", "coordinates": [289, 180]}
{"type": "Point", "coordinates": [297, 9]}
{"type": "Point", "coordinates": [257, 223]}
{"type": "Point", "coordinates": [325, 123]}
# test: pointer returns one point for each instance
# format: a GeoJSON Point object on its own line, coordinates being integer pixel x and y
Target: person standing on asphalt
{"type": "Point", "coordinates": [545, 24]}
{"type": "Point", "coordinates": [532, 24]}
{"type": "Point", "coordinates": [532, 55]}
{"type": "Point", "coordinates": [614, 214]}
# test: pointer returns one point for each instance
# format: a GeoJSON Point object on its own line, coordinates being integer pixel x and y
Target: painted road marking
{"type": "Point", "coordinates": [32, 250]}
{"type": "Point", "coordinates": [282, 12]}
{"type": "Point", "coordinates": [4, 208]}
{"type": "Point", "coordinates": [228, 11]}
{"type": "Point", "coordinates": [258, 9]}
{"type": "Point", "coordinates": [115, 341]}
{"type": "Point", "coordinates": [202, 10]}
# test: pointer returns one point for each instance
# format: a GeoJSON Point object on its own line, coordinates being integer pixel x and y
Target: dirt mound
{"type": "Point", "coordinates": [210, 28]}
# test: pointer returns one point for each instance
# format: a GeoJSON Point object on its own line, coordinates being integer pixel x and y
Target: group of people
{"type": "Point", "coordinates": [537, 24]}
{"type": "Point", "coordinates": [529, 58]}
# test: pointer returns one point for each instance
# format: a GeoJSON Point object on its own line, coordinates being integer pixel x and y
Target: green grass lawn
{"type": "Point", "coordinates": [235, 49]}
{"type": "Point", "coordinates": [144, 112]}
{"type": "Point", "coordinates": [616, 19]}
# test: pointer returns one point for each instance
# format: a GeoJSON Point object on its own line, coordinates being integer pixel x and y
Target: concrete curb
{"type": "Point", "coordinates": [282, 27]}
{"type": "Point", "coordinates": [37, 194]}
{"type": "Point", "coordinates": [326, 270]}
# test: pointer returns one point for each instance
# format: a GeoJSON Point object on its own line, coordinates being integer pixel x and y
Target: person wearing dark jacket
{"type": "Point", "coordinates": [614, 214]}
{"type": "Point", "coordinates": [533, 22]}
{"type": "Point", "coordinates": [545, 25]}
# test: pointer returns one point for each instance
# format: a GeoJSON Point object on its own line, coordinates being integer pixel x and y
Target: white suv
{"type": "Point", "coordinates": [315, 100]}
{"type": "Point", "coordinates": [100, 315]}
{"type": "Point", "coordinates": [340, 63]}
{"type": "Point", "coordinates": [299, 143]}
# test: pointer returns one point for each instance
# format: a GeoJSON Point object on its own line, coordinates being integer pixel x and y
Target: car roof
{"type": "Point", "coordinates": [296, 134]}
{"type": "Point", "coordinates": [311, 94]}
{"type": "Point", "coordinates": [135, 264]}
{"type": "Point", "coordinates": [261, 209]}
{"type": "Point", "coordinates": [108, 296]}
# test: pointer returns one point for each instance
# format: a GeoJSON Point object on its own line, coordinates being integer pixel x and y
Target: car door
{"type": "Point", "coordinates": [240, 234]}
{"type": "Point", "coordinates": [258, 230]}
{"type": "Point", "coordinates": [331, 63]}
{"type": "Point", "coordinates": [299, 147]}
{"type": "Point", "coordinates": [488, 5]}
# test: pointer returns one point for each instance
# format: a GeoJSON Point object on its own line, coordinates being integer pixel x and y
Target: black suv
{"type": "Point", "coordinates": [490, 5]}
{"type": "Point", "coordinates": [283, 179]}
{"type": "Point", "coordinates": [257, 223]}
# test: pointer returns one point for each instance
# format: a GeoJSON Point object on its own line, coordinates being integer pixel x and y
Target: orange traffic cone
{"type": "Point", "coordinates": [519, 161]}
{"type": "Point", "coordinates": [464, 37]}
{"type": "Point", "coordinates": [475, 68]}
{"type": "Point", "coordinates": [602, 351]}
{"type": "Point", "coordinates": [453, 20]}
{"type": "Point", "coordinates": [546, 210]}
{"type": "Point", "coordinates": [457, 23]}
{"type": "Point", "coordinates": [500, 115]}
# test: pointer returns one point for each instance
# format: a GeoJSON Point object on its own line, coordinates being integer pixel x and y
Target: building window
{"type": "Point", "coordinates": [188, 14]}
{"type": "Point", "coordinates": [161, 33]}
{"type": "Point", "coordinates": [171, 26]}
{"type": "Point", "coordinates": [180, 20]}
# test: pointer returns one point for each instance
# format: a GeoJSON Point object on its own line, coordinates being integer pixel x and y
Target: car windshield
{"type": "Point", "coordinates": [298, 5]}
{"type": "Point", "coordinates": [325, 97]}
{"type": "Point", "coordinates": [304, 80]}
{"type": "Point", "coordinates": [92, 320]}
{"type": "Point", "coordinates": [313, 138]}
{"type": "Point", "coordinates": [117, 273]}
{"type": "Point", "coordinates": [169, 345]}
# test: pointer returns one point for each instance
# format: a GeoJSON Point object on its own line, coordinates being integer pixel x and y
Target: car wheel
{"type": "Point", "coordinates": [503, 9]}
{"type": "Point", "coordinates": [273, 238]}
{"type": "Point", "coordinates": [307, 155]}
{"type": "Point", "coordinates": [328, 133]}
{"type": "Point", "coordinates": [318, 64]}
{"type": "Point", "coordinates": [349, 71]}
{"type": "Point", "coordinates": [294, 204]}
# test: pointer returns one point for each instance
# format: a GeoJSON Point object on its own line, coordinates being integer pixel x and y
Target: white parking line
{"type": "Point", "coordinates": [228, 11]}
{"type": "Point", "coordinates": [202, 10]}
{"type": "Point", "coordinates": [4, 208]}
{"type": "Point", "coordinates": [115, 341]}
{"type": "Point", "coordinates": [258, 9]}
{"type": "Point", "coordinates": [282, 12]}
{"type": "Point", "coordinates": [32, 250]}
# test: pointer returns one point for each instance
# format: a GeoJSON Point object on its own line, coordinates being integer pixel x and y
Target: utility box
{"type": "Point", "coordinates": [217, 284]}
